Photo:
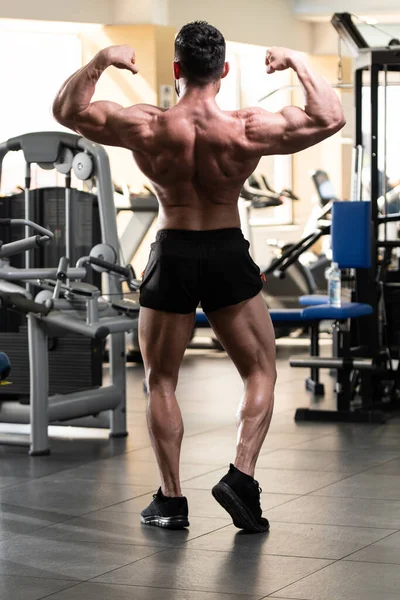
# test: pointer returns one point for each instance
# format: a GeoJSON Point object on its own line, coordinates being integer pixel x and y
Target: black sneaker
{"type": "Point", "coordinates": [239, 495]}
{"type": "Point", "coordinates": [171, 513]}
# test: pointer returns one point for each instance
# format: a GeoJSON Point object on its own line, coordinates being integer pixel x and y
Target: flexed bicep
{"type": "Point", "coordinates": [102, 122]}
{"type": "Point", "coordinates": [285, 132]}
{"type": "Point", "coordinates": [293, 129]}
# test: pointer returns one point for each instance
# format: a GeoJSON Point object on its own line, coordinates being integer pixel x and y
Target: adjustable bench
{"type": "Point", "coordinates": [351, 248]}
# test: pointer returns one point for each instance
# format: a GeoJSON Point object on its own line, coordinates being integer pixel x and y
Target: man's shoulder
{"type": "Point", "coordinates": [144, 110]}
{"type": "Point", "coordinates": [249, 112]}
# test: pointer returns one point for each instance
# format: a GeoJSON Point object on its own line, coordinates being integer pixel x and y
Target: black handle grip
{"type": "Point", "coordinates": [5, 221]}
{"type": "Point", "coordinates": [99, 262]}
{"type": "Point", "coordinates": [14, 144]}
{"type": "Point", "coordinates": [102, 333]}
{"type": "Point", "coordinates": [21, 304]}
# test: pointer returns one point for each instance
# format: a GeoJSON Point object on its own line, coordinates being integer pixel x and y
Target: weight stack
{"type": "Point", "coordinates": [75, 363]}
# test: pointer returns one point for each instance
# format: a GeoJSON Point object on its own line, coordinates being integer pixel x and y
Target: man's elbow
{"type": "Point", "coordinates": [62, 115]}
{"type": "Point", "coordinates": [337, 122]}
{"type": "Point", "coordinates": [58, 113]}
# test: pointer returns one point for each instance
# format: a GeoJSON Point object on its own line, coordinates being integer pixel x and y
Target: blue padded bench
{"type": "Point", "coordinates": [321, 311]}
{"type": "Point", "coordinates": [327, 312]}
{"type": "Point", "coordinates": [313, 300]}
{"type": "Point", "coordinates": [312, 312]}
{"type": "Point", "coordinates": [312, 316]}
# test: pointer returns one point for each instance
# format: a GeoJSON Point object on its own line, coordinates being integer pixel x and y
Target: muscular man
{"type": "Point", "coordinates": [198, 157]}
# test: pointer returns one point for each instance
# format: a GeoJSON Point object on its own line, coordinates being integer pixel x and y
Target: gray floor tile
{"type": "Point", "coordinates": [357, 512]}
{"type": "Point", "coordinates": [113, 480]}
{"type": "Point", "coordinates": [68, 497]}
{"type": "Point", "coordinates": [9, 481]}
{"type": "Point", "coordinates": [29, 556]}
{"type": "Point", "coordinates": [389, 468]}
{"type": "Point", "coordinates": [16, 520]}
{"type": "Point", "coordinates": [99, 591]}
{"type": "Point", "coordinates": [381, 440]}
{"type": "Point", "coordinates": [26, 467]}
{"type": "Point", "coordinates": [277, 440]}
{"type": "Point", "coordinates": [201, 503]}
{"type": "Point", "coordinates": [275, 481]}
{"type": "Point", "coordinates": [384, 551]}
{"type": "Point", "coordinates": [66, 450]}
{"type": "Point", "coordinates": [214, 448]}
{"type": "Point", "coordinates": [126, 528]}
{"type": "Point", "coordinates": [219, 447]}
{"type": "Point", "coordinates": [285, 423]}
{"type": "Point", "coordinates": [348, 581]}
{"type": "Point", "coordinates": [365, 485]}
{"type": "Point", "coordinates": [126, 470]}
{"type": "Point", "coordinates": [309, 460]}
{"type": "Point", "coordinates": [293, 539]}
{"type": "Point", "coordinates": [230, 573]}
{"type": "Point", "coordinates": [29, 588]}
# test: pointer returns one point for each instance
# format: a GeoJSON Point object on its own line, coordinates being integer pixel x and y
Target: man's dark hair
{"type": "Point", "coordinates": [200, 48]}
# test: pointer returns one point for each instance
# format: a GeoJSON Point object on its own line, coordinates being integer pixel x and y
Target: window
{"type": "Point", "coordinates": [37, 64]}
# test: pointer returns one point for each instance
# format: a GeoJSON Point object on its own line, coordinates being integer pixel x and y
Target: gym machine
{"type": "Point", "coordinates": [57, 301]}
{"type": "Point", "coordinates": [366, 354]}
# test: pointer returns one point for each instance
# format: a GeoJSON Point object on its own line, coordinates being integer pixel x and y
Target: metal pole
{"type": "Point", "coordinates": [358, 149]}
{"type": "Point", "coordinates": [39, 387]}
{"type": "Point", "coordinates": [375, 191]}
{"type": "Point", "coordinates": [28, 213]}
{"type": "Point", "coordinates": [112, 286]}
{"type": "Point", "coordinates": [356, 184]}
{"type": "Point", "coordinates": [384, 177]}
{"type": "Point", "coordinates": [68, 216]}
{"type": "Point", "coordinates": [118, 379]}
{"type": "Point", "coordinates": [365, 280]}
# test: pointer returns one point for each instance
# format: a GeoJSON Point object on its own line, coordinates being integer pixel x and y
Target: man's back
{"type": "Point", "coordinates": [196, 155]}
{"type": "Point", "coordinates": [198, 158]}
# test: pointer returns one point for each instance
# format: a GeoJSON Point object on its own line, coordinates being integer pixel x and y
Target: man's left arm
{"type": "Point", "coordinates": [102, 122]}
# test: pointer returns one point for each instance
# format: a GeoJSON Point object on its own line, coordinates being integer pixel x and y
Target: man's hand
{"type": "Point", "coordinates": [121, 57]}
{"type": "Point", "coordinates": [280, 59]}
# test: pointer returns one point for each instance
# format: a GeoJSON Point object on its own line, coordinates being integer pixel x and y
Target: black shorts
{"type": "Point", "coordinates": [188, 268]}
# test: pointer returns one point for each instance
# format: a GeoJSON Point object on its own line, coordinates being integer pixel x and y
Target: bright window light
{"type": "Point", "coordinates": [31, 26]}
{"type": "Point", "coordinates": [38, 63]}
{"type": "Point", "coordinates": [369, 20]}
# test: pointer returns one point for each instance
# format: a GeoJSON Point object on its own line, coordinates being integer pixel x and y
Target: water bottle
{"type": "Point", "coordinates": [333, 276]}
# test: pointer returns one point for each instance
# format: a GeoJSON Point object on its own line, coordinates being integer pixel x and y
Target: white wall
{"type": "Point", "coordinates": [126, 12]}
{"type": "Point", "coordinates": [259, 22]}
{"type": "Point", "coordinates": [325, 40]}
{"type": "Point", "coordinates": [328, 7]}
{"type": "Point", "coordinates": [85, 11]}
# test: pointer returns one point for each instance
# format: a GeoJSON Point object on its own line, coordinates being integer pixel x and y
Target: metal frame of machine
{"type": "Point", "coordinates": [73, 307]}
{"type": "Point", "coordinates": [363, 353]}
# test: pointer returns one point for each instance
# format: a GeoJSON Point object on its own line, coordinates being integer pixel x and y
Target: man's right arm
{"type": "Point", "coordinates": [293, 129]}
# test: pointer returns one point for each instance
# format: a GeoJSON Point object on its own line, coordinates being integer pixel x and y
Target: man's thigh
{"type": "Point", "coordinates": [247, 334]}
{"type": "Point", "coordinates": [163, 339]}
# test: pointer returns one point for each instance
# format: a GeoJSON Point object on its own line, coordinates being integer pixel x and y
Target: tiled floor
{"type": "Point", "coordinates": [70, 529]}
